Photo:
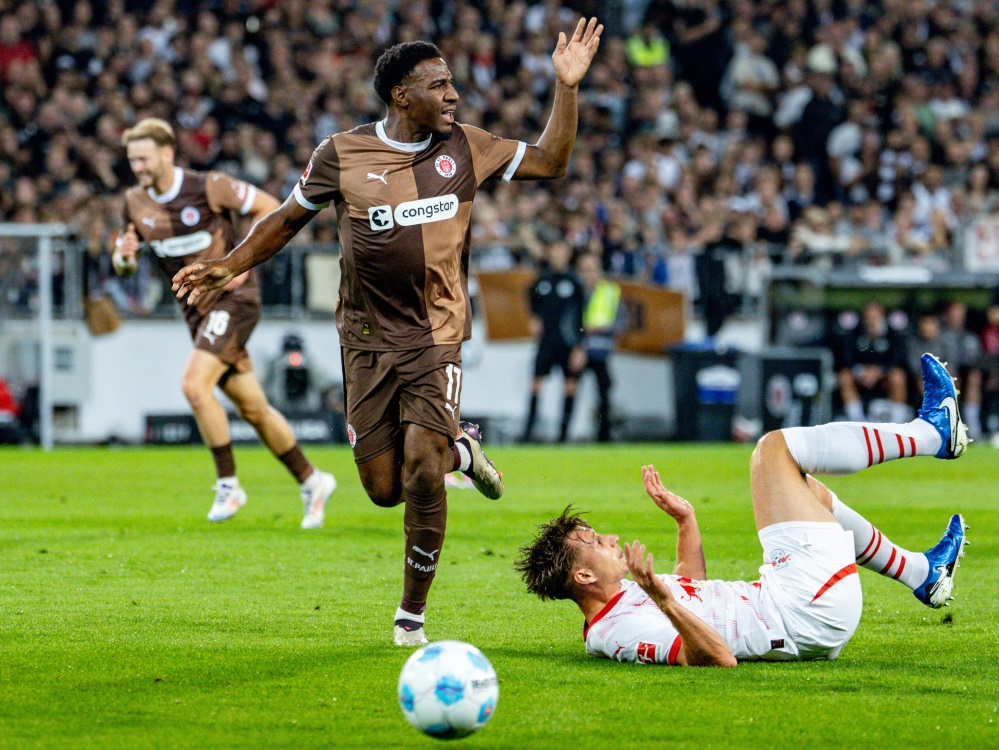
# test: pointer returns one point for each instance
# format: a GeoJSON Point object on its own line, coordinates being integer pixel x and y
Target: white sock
{"type": "Point", "coordinates": [464, 454]}
{"type": "Point", "coordinates": [401, 614]}
{"type": "Point", "coordinates": [229, 481]}
{"type": "Point", "coordinates": [847, 447]}
{"type": "Point", "coordinates": [312, 481]}
{"type": "Point", "coordinates": [876, 552]}
{"type": "Point", "coordinates": [854, 411]}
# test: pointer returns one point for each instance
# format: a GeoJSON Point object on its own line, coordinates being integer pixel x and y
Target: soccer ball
{"type": "Point", "coordinates": [448, 689]}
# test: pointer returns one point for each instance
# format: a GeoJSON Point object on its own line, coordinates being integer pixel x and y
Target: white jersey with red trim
{"type": "Point", "coordinates": [632, 628]}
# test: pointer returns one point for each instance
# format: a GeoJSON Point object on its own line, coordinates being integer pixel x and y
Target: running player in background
{"type": "Point", "coordinates": [403, 189]}
{"type": "Point", "coordinates": [186, 216]}
{"type": "Point", "coordinates": [807, 602]}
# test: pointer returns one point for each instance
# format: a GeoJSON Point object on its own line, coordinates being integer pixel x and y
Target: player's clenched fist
{"type": "Point", "coordinates": [124, 259]}
{"type": "Point", "coordinates": [198, 278]}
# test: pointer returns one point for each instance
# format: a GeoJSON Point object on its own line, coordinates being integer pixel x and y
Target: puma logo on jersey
{"type": "Point", "coordinates": [149, 221]}
{"type": "Point", "coordinates": [431, 555]}
{"type": "Point", "coordinates": [373, 176]}
{"type": "Point", "coordinates": [450, 408]}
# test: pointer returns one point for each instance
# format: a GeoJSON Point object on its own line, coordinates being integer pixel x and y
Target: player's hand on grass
{"type": "Point", "coordinates": [643, 573]}
{"type": "Point", "coordinates": [196, 279]}
{"type": "Point", "coordinates": [673, 504]}
{"type": "Point", "coordinates": [571, 59]}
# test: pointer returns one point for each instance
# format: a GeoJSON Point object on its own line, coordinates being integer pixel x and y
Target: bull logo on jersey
{"type": "Point", "coordinates": [190, 216]}
{"type": "Point", "coordinates": [690, 589]}
{"type": "Point", "coordinates": [779, 558]}
{"type": "Point", "coordinates": [647, 652]}
{"type": "Point", "coordinates": [446, 166]}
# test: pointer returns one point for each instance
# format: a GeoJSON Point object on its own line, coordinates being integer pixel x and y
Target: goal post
{"type": "Point", "coordinates": [43, 234]}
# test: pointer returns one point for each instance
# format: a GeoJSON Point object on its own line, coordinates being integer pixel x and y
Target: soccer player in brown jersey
{"type": "Point", "coordinates": [403, 189]}
{"type": "Point", "coordinates": [185, 216]}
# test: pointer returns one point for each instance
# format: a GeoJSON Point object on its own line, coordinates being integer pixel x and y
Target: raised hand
{"type": "Point", "coordinates": [643, 573]}
{"type": "Point", "coordinates": [670, 502]}
{"type": "Point", "coordinates": [196, 279]}
{"type": "Point", "coordinates": [571, 59]}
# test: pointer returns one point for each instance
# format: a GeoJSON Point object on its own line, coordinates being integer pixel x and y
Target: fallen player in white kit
{"type": "Point", "coordinates": [808, 601]}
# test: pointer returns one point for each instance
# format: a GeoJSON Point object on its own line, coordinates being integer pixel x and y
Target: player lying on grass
{"type": "Point", "coordinates": [807, 602]}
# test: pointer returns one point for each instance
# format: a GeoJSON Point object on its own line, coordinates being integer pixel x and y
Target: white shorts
{"type": "Point", "coordinates": [810, 574]}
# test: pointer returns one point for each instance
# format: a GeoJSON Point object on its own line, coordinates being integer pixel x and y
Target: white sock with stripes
{"type": "Point", "coordinates": [848, 447]}
{"type": "Point", "coordinates": [876, 552]}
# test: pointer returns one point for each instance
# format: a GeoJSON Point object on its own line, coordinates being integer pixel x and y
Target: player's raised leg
{"type": "Point", "coordinates": [203, 372]}
{"type": "Point", "coordinates": [248, 397]}
{"type": "Point", "coordinates": [930, 574]}
{"type": "Point", "coordinates": [428, 457]}
{"type": "Point", "coordinates": [847, 447]}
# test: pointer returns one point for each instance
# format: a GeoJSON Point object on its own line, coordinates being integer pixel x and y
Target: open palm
{"type": "Point", "coordinates": [571, 59]}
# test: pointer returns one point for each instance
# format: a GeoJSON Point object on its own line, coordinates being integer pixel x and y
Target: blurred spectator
{"type": "Point", "coordinates": [816, 241]}
{"type": "Point", "coordinates": [925, 339]}
{"type": "Point", "coordinates": [603, 320]}
{"type": "Point", "coordinates": [960, 349]}
{"type": "Point", "coordinates": [557, 300]}
{"type": "Point", "coordinates": [990, 369]}
{"type": "Point", "coordinates": [10, 429]}
{"type": "Point", "coordinates": [872, 364]}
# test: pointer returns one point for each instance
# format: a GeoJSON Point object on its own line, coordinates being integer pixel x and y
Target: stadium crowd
{"type": "Point", "coordinates": [808, 131]}
{"type": "Point", "coordinates": [718, 138]}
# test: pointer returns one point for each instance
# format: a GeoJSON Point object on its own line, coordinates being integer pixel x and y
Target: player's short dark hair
{"type": "Point", "coordinates": [397, 62]}
{"type": "Point", "coordinates": [547, 563]}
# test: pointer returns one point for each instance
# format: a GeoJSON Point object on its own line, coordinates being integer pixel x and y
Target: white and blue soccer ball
{"type": "Point", "coordinates": [448, 689]}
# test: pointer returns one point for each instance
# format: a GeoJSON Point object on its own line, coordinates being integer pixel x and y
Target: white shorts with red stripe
{"type": "Point", "coordinates": [810, 575]}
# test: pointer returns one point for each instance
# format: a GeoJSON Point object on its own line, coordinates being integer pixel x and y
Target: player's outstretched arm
{"type": "Point", "coordinates": [701, 645]}
{"type": "Point", "coordinates": [264, 241]}
{"type": "Point", "coordinates": [689, 550]}
{"type": "Point", "coordinates": [549, 158]}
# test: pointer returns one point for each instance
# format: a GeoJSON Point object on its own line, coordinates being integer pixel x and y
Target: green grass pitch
{"type": "Point", "coordinates": [128, 621]}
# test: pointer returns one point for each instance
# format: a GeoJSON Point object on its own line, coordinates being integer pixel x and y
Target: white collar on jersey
{"type": "Point", "coordinates": [410, 147]}
{"type": "Point", "coordinates": [173, 192]}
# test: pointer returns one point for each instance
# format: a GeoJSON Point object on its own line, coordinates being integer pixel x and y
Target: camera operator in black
{"type": "Point", "coordinates": [557, 300]}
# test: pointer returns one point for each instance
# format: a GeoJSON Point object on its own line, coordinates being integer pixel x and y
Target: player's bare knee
{"type": "Point", "coordinates": [195, 392]}
{"type": "Point", "coordinates": [253, 412]}
{"type": "Point", "coordinates": [383, 493]}
{"type": "Point", "coordinates": [768, 448]}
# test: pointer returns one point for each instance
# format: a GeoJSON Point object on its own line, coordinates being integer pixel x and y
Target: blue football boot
{"type": "Point", "coordinates": [944, 559]}
{"type": "Point", "coordinates": [940, 408]}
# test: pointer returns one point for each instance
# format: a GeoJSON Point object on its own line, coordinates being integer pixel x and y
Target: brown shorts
{"type": "Point", "coordinates": [385, 390]}
{"type": "Point", "coordinates": [225, 329]}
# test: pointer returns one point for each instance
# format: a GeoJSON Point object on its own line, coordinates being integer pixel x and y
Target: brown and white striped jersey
{"type": "Point", "coordinates": [191, 222]}
{"type": "Point", "coordinates": [404, 213]}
